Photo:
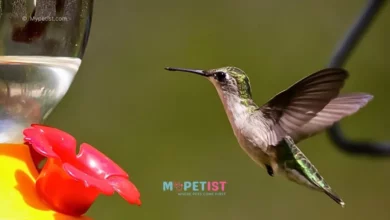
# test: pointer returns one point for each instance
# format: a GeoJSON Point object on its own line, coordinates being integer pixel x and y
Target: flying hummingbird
{"type": "Point", "coordinates": [269, 133]}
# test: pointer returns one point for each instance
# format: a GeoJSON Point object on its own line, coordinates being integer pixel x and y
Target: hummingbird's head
{"type": "Point", "coordinates": [231, 80]}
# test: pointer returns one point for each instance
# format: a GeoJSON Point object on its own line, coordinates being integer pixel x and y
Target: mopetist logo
{"type": "Point", "coordinates": [196, 188]}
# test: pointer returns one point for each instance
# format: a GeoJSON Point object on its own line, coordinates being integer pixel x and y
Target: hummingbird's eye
{"type": "Point", "coordinates": [220, 76]}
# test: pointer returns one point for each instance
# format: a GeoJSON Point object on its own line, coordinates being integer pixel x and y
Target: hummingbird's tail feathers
{"type": "Point", "coordinates": [299, 169]}
{"type": "Point", "coordinates": [338, 108]}
{"type": "Point", "coordinates": [335, 197]}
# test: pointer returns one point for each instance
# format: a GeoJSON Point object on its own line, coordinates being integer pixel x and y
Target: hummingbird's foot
{"type": "Point", "coordinates": [269, 170]}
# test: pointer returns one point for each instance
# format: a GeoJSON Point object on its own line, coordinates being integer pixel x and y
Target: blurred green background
{"type": "Point", "coordinates": [165, 126]}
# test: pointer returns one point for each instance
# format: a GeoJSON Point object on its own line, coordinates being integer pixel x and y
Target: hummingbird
{"type": "Point", "coordinates": [269, 133]}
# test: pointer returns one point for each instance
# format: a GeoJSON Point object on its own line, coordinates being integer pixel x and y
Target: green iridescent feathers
{"type": "Point", "coordinates": [294, 159]}
{"type": "Point", "coordinates": [242, 80]}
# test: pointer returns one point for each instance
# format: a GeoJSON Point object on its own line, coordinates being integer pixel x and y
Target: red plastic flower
{"type": "Point", "coordinates": [70, 183]}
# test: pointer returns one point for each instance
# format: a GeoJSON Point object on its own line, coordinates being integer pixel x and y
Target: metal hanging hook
{"type": "Point", "coordinates": [338, 59]}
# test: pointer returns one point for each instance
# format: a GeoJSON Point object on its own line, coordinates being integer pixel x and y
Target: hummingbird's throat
{"type": "Point", "coordinates": [236, 105]}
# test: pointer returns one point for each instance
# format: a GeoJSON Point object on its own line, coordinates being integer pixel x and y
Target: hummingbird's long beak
{"type": "Point", "coordinates": [198, 72]}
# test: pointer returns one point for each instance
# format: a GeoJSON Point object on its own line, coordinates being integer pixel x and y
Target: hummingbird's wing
{"type": "Point", "coordinates": [335, 110]}
{"type": "Point", "coordinates": [289, 110]}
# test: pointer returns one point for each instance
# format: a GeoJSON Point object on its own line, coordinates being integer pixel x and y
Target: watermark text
{"type": "Point", "coordinates": [45, 18]}
{"type": "Point", "coordinates": [196, 188]}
